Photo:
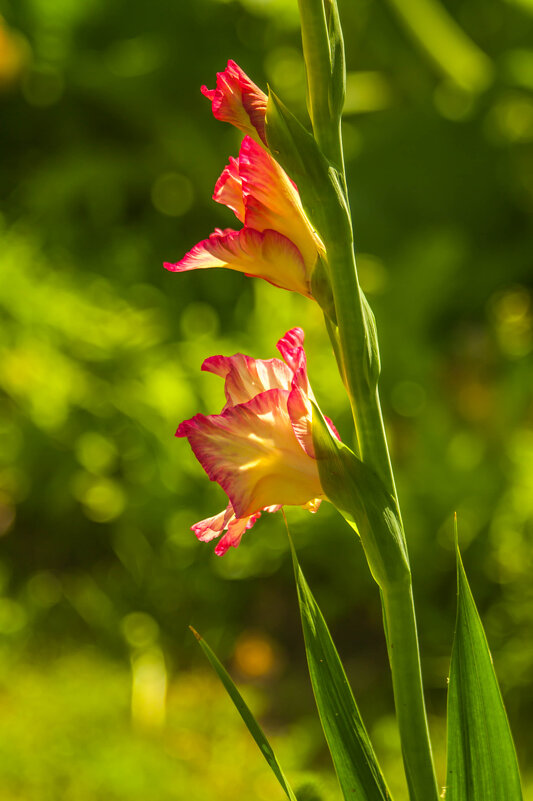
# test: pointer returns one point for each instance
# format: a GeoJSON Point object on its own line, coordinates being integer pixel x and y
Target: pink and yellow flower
{"type": "Point", "coordinates": [277, 242]}
{"type": "Point", "coordinates": [260, 448]}
{"type": "Point", "coordinates": [236, 99]}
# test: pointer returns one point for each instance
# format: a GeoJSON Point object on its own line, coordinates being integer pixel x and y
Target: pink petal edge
{"type": "Point", "coordinates": [237, 100]}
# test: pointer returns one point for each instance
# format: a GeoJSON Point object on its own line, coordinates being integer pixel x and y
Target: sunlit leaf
{"type": "Point", "coordinates": [355, 762]}
{"type": "Point", "coordinates": [482, 764]}
{"type": "Point", "coordinates": [244, 711]}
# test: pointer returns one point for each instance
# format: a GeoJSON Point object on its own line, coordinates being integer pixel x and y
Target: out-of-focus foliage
{"type": "Point", "coordinates": [93, 749]}
{"type": "Point", "coordinates": [108, 159]}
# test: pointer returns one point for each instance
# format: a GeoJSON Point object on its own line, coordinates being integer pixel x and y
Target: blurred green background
{"type": "Point", "coordinates": [109, 155]}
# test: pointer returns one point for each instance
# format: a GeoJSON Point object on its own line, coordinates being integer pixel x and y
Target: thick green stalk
{"type": "Point", "coordinates": [404, 658]}
{"type": "Point", "coordinates": [399, 613]}
{"type": "Point", "coordinates": [358, 352]}
{"type": "Point", "coordinates": [324, 60]}
{"type": "Point", "coordinates": [361, 382]}
{"type": "Point", "coordinates": [315, 43]}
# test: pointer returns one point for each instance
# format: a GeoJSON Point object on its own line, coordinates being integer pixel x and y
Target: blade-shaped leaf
{"type": "Point", "coordinates": [482, 764]}
{"type": "Point", "coordinates": [356, 765]}
{"type": "Point", "coordinates": [244, 711]}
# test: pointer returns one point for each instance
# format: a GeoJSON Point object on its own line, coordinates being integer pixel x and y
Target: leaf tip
{"type": "Point", "coordinates": [459, 560]}
{"type": "Point", "coordinates": [198, 636]}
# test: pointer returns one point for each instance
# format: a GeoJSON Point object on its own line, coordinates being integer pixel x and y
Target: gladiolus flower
{"type": "Point", "coordinates": [239, 101]}
{"type": "Point", "coordinates": [277, 242]}
{"type": "Point", "coordinates": [260, 448]}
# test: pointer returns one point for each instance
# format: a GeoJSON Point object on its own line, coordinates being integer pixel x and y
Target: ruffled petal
{"type": "Point", "coordinates": [264, 254]}
{"type": "Point", "coordinates": [206, 530]}
{"type": "Point", "coordinates": [228, 189]}
{"type": "Point", "coordinates": [252, 452]}
{"type": "Point", "coordinates": [301, 413]}
{"type": "Point", "coordinates": [239, 101]}
{"type": "Point", "coordinates": [291, 347]}
{"type": "Point", "coordinates": [244, 377]}
{"type": "Point", "coordinates": [233, 536]}
{"type": "Point", "coordinates": [271, 200]}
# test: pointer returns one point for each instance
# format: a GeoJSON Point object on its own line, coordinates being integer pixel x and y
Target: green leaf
{"type": "Point", "coordinates": [364, 502]}
{"type": "Point", "coordinates": [244, 711]}
{"type": "Point", "coordinates": [482, 764]}
{"type": "Point", "coordinates": [357, 768]}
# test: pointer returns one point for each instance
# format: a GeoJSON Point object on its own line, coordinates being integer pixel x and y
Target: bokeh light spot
{"type": "Point", "coordinates": [512, 314]}
{"type": "Point", "coordinates": [140, 630]}
{"type": "Point", "coordinates": [14, 55]}
{"type": "Point", "coordinates": [12, 616]}
{"type": "Point", "coordinates": [408, 398]}
{"type": "Point", "coordinates": [518, 65]}
{"type": "Point", "coordinates": [285, 69]}
{"type": "Point", "coordinates": [255, 655]}
{"type": "Point", "coordinates": [45, 589]}
{"type": "Point", "coordinates": [511, 118]}
{"type": "Point", "coordinates": [453, 102]}
{"type": "Point", "coordinates": [43, 86]}
{"type": "Point", "coordinates": [103, 500]}
{"type": "Point", "coordinates": [95, 452]}
{"type": "Point", "coordinates": [199, 319]}
{"type": "Point", "coordinates": [172, 194]}
{"type": "Point", "coordinates": [465, 450]}
{"type": "Point", "coordinates": [366, 91]}
{"type": "Point", "coordinates": [130, 58]}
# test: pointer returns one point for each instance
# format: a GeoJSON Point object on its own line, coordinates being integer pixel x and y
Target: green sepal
{"type": "Point", "coordinates": [372, 363]}
{"type": "Point", "coordinates": [362, 499]}
{"type": "Point", "coordinates": [482, 763]}
{"type": "Point", "coordinates": [355, 762]}
{"type": "Point", "coordinates": [295, 148]}
{"type": "Point", "coordinates": [321, 289]}
{"type": "Point", "coordinates": [244, 711]}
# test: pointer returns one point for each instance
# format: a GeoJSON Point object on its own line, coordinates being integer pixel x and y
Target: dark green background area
{"type": "Point", "coordinates": [109, 155]}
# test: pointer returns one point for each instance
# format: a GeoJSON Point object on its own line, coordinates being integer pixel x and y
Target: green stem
{"type": "Point", "coordinates": [318, 55]}
{"type": "Point", "coordinates": [404, 658]}
{"type": "Point", "coordinates": [316, 45]}
{"type": "Point", "coordinates": [356, 349]}
{"type": "Point", "coordinates": [398, 608]}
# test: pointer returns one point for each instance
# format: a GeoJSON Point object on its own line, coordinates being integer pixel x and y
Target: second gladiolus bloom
{"type": "Point", "coordinates": [277, 241]}
{"type": "Point", "coordinates": [260, 448]}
